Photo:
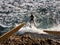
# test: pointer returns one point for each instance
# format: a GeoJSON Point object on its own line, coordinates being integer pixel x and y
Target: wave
{"type": "Point", "coordinates": [31, 28]}
{"type": "Point", "coordinates": [54, 28]}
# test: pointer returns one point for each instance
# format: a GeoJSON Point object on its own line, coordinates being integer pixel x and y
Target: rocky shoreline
{"type": "Point", "coordinates": [29, 39]}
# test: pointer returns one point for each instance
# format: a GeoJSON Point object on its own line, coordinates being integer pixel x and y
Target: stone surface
{"type": "Point", "coordinates": [27, 39]}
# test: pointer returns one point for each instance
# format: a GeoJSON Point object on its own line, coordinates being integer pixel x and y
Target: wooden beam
{"type": "Point", "coordinates": [53, 32]}
{"type": "Point", "coordinates": [9, 33]}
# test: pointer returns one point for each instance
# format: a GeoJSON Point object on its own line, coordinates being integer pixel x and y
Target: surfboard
{"type": "Point", "coordinates": [9, 33]}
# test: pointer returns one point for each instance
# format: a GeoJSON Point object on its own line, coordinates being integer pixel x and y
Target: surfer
{"type": "Point", "coordinates": [31, 18]}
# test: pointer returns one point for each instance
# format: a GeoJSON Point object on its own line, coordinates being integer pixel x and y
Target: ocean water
{"type": "Point", "coordinates": [46, 15]}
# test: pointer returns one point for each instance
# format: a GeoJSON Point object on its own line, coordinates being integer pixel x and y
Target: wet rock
{"type": "Point", "coordinates": [27, 39]}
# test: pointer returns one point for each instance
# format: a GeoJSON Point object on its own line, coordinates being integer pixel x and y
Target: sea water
{"type": "Point", "coordinates": [46, 15]}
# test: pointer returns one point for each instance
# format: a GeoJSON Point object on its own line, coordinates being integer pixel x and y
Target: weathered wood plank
{"type": "Point", "coordinates": [9, 33]}
{"type": "Point", "coordinates": [53, 32]}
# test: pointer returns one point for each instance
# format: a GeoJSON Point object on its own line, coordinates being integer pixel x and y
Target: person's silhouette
{"type": "Point", "coordinates": [31, 18]}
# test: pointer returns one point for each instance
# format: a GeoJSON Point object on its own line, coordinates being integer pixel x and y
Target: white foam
{"type": "Point", "coordinates": [4, 25]}
{"type": "Point", "coordinates": [54, 28]}
{"type": "Point", "coordinates": [32, 29]}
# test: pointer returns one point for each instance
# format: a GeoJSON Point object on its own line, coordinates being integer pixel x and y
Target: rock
{"type": "Point", "coordinates": [27, 39]}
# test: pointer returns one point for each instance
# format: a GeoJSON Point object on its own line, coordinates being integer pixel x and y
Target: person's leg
{"type": "Point", "coordinates": [31, 23]}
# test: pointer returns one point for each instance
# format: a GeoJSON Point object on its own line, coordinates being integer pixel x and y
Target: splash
{"type": "Point", "coordinates": [54, 28]}
{"type": "Point", "coordinates": [31, 28]}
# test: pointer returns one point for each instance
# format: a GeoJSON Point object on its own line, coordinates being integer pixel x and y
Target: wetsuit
{"type": "Point", "coordinates": [31, 18]}
{"type": "Point", "coordinates": [32, 21]}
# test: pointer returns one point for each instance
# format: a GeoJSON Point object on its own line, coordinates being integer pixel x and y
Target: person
{"type": "Point", "coordinates": [31, 18]}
